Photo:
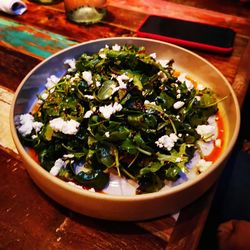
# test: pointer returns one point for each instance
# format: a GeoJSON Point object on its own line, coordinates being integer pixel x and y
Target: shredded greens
{"type": "Point", "coordinates": [120, 111]}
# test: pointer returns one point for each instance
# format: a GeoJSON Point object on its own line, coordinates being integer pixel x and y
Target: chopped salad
{"type": "Point", "coordinates": [120, 112]}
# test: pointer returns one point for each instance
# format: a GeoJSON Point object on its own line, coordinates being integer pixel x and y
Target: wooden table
{"type": "Point", "coordinates": [31, 220]}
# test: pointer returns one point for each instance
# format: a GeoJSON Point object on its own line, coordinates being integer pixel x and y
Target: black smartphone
{"type": "Point", "coordinates": [190, 34]}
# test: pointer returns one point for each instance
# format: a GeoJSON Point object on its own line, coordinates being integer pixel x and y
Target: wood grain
{"type": "Point", "coordinates": [6, 141]}
{"type": "Point", "coordinates": [34, 218]}
{"type": "Point", "coordinates": [14, 67]}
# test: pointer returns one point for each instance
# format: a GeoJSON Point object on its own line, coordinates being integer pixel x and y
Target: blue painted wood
{"type": "Point", "coordinates": [30, 40]}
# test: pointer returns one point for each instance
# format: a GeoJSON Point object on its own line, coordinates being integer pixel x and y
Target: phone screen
{"type": "Point", "coordinates": [196, 33]}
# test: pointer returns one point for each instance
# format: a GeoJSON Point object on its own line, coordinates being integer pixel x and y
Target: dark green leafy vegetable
{"type": "Point", "coordinates": [95, 179]}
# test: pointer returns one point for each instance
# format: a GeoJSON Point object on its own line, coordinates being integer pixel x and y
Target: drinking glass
{"type": "Point", "coordinates": [85, 11]}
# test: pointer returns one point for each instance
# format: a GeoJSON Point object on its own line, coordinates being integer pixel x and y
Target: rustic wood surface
{"type": "Point", "coordinates": [31, 220]}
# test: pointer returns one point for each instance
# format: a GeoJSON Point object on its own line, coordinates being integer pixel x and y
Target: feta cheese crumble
{"type": "Point", "coordinates": [87, 76]}
{"type": "Point", "coordinates": [121, 79]}
{"type": "Point", "coordinates": [200, 86]}
{"type": "Point", "coordinates": [58, 165]}
{"type": "Point", "coordinates": [182, 78]}
{"type": "Point", "coordinates": [98, 84]}
{"type": "Point", "coordinates": [90, 97]}
{"type": "Point", "coordinates": [203, 165]}
{"type": "Point", "coordinates": [163, 62]}
{"type": "Point", "coordinates": [102, 54]}
{"type": "Point", "coordinates": [198, 98]}
{"type": "Point", "coordinates": [66, 127]}
{"type": "Point", "coordinates": [110, 109]}
{"type": "Point", "coordinates": [147, 102]}
{"type": "Point", "coordinates": [153, 55]}
{"type": "Point", "coordinates": [26, 124]}
{"type": "Point", "coordinates": [71, 63]}
{"type": "Point", "coordinates": [167, 141]}
{"type": "Point", "coordinates": [178, 159]}
{"type": "Point", "coordinates": [68, 156]}
{"type": "Point", "coordinates": [178, 104]}
{"type": "Point", "coordinates": [116, 47]}
{"type": "Point", "coordinates": [162, 76]}
{"type": "Point", "coordinates": [43, 97]}
{"type": "Point", "coordinates": [88, 114]}
{"type": "Point", "coordinates": [207, 132]}
{"type": "Point", "coordinates": [51, 82]}
{"type": "Point", "coordinates": [107, 134]}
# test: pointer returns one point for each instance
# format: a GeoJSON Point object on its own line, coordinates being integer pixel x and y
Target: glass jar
{"type": "Point", "coordinates": [85, 11]}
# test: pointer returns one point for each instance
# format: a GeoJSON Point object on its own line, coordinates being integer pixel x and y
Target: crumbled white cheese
{"type": "Point", "coordinates": [88, 114]}
{"type": "Point", "coordinates": [102, 55]}
{"type": "Point", "coordinates": [87, 76]}
{"type": "Point", "coordinates": [121, 82]}
{"type": "Point", "coordinates": [71, 63]}
{"type": "Point", "coordinates": [26, 124]}
{"type": "Point", "coordinates": [68, 156]}
{"type": "Point", "coordinates": [200, 86]}
{"type": "Point", "coordinates": [98, 84]}
{"type": "Point", "coordinates": [90, 97]}
{"type": "Point", "coordinates": [206, 148]}
{"type": "Point", "coordinates": [121, 79]}
{"type": "Point", "coordinates": [37, 126]}
{"type": "Point", "coordinates": [212, 120]}
{"type": "Point", "coordinates": [178, 104]}
{"type": "Point", "coordinates": [107, 134]}
{"type": "Point", "coordinates": [51, 82]}
{"type": "Point", "coordinates": [110, 109]}
{"type": "Point", "coordinates": [43, 97]}
{"type": "Point", "coordinates": [178, 96]}
{"type": "Point", "coordinates": [198, 98]}
{"type": "Point", "coordinates": [162, 76]}
{"type": "Point", "coordinates": [182, 78]}
{"type": "Point", "coordinates": [67, 127]}
{"type": "Point", "coordinates": [116, 47]}
{"type": "Point", "coordinates": [167, 141]}
{"type": "Point", "coordinates": [163, 62]}
{"type": "Point", "coordinates": [203, 165]}
{"type": "Point", "coordinates": [178, 159]}
{"type": "Point", "coordinates": [58, 165]}
{"type": "Point", "coordinates": [153, 55]}
{"type": "Point", "coordinates": [148, 102]}
{"type": "Point", "coordinates": [207, 132]}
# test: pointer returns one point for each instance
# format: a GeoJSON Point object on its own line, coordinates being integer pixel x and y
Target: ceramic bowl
{"type": "Point", "coordinates": [138, 207]}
